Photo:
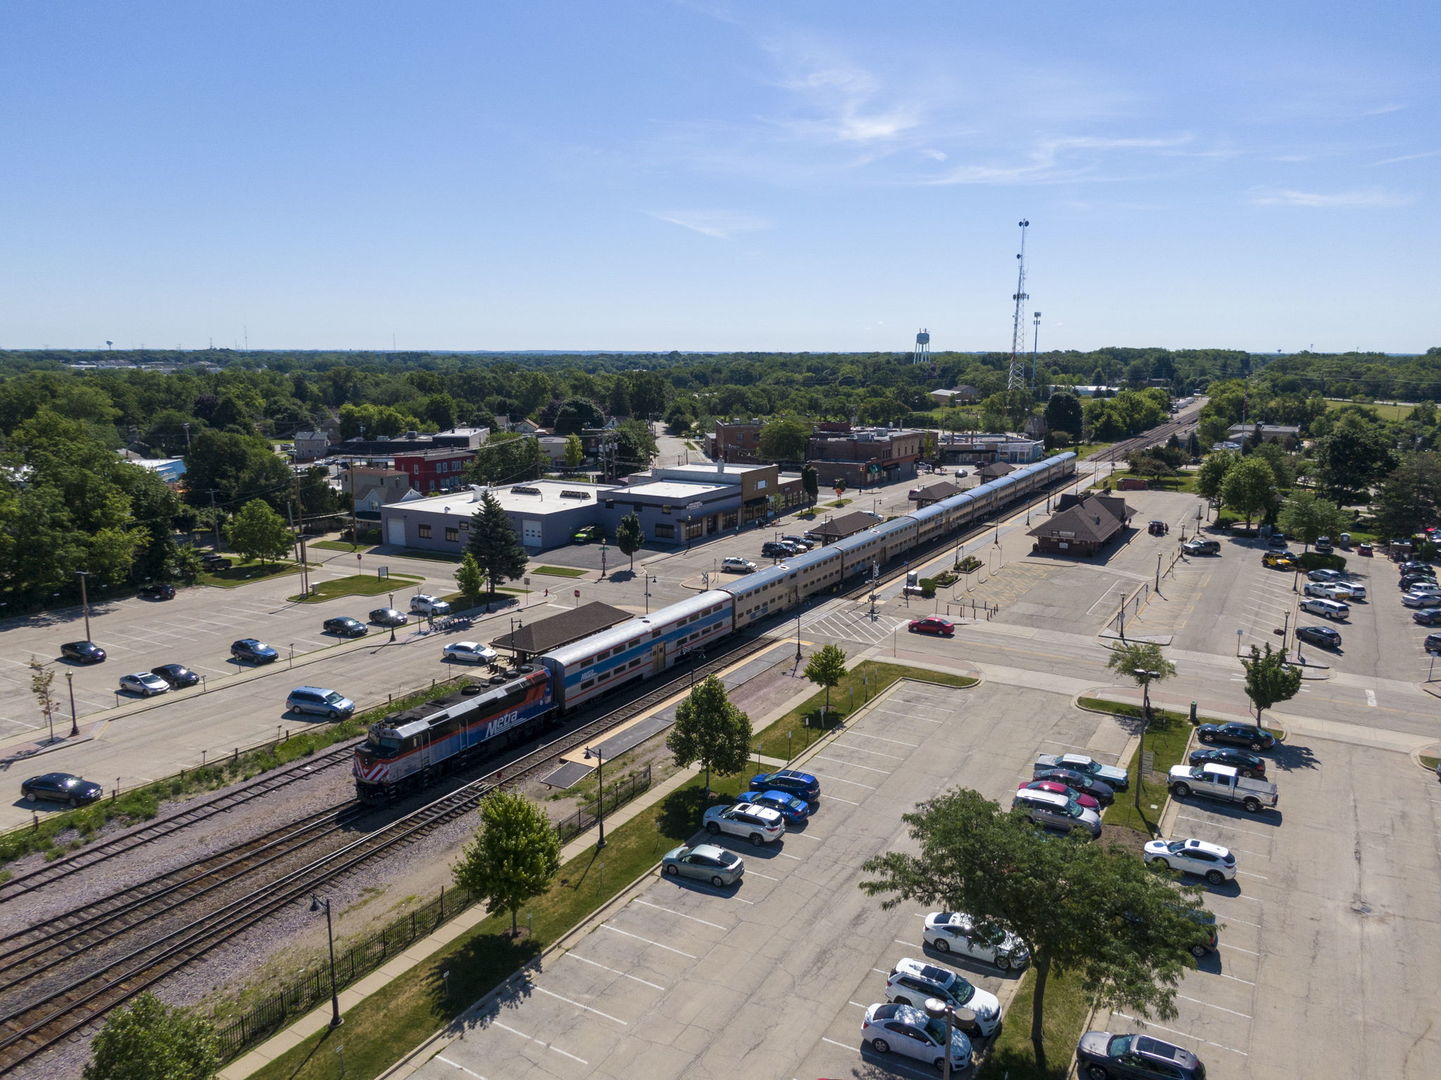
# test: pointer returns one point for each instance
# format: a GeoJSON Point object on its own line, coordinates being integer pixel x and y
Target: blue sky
{"type": "Point", "coordinates": [697, 174]}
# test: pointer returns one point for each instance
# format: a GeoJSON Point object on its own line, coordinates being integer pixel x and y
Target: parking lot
{"type": "Point", "coordinates": [1328, 950]}
{"type": "Point", "coordinates": [771, 978]}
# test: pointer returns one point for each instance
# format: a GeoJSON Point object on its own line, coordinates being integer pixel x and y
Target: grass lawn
{"type": "Point", "coordinates": [1430, 762]}
{"type": "Point", "coordinates": [355, 585]}
{"type": "Point", "coordinates": [388, 1024]}
{"type": "Point", "coordinates": [1013, 1058]}
{"type": "Point", "coordinates": [1385, 412]}
{"type": "Point", "coordinates": [800, 727]}
{"type": "Point", "coordinates": [557, 571]}
{"type": "Point", "coordinates": [243, 573]}
{"type": "Point", "coordinates": [339, 545]}
{"type": "Point", "coordinates": [840, 502]}
{"type": "Point", "coordinates": [1084, 450]}
{"type": "Point", "coordinates": [1166, 739]}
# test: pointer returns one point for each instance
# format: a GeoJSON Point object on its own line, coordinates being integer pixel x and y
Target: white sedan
{"type": "Point", "coordinates": [469, 652]}
{"type": "Point", "coordinates": [1210, 861]}
{"type": "Point", "coordinates": [1351, 590]}
{"type": "Point", "coordinates": [957, 932]}
{"type": "Point", "coordinates": [144, 683]}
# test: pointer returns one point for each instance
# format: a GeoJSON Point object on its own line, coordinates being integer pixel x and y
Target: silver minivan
{"type": "Point", "coordinates": [1327, 609]}
{"type": "Point", "coordinates": [1056, 811]}
{"type": "Point", "coordinates": [316, 699]}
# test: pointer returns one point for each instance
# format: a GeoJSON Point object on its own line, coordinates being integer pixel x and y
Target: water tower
{"type": "Point", "coordinates": [922, 355]}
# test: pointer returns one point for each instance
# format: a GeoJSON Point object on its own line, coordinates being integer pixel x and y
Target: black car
{"type": "Point", "coordinates": [1427, 616]}
{"type": "Point", "coordinates": [61, 787]}
{"type": "Point", "coordinates": [1237, 734]}
{"type": "Point", "coordinates": [389, 616]}
{"type": "Point", "coordinates": [1102, 792]}
{"type": "Point", "coordinates": [1432, 644]}
{"type": "Point", "coordinates": [177, 675]}
{"type": "Point", "coordinates": [159, 590]}
{"type": "Point", "coordinates": [345, 627]}
{"type": "Point", "coordinates": [1246, 763]}
{"type": "Point", "coordinates": [777, 549]}
{"type": "Point", "coordinates": [253, 652]}
{"type": "Point", "coordinates": [1407, 580]}
{"type": "Point", "coordinates": [214, 562]}
{"type": "Point", "coordinates": [1323, 636]}
{"type": "Point", "coordinates": [84, 652]}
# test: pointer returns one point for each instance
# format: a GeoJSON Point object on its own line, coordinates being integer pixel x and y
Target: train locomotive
{"type": "Point", "coordinates": [409, 750]}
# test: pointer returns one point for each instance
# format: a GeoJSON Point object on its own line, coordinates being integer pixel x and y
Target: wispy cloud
{"type": "Point", "coordinates": [1057, 159]}
{"type": "Point", "coordinates": [1367, 198]}
{"type": "Point", "coordinates": [1407, 157]}
{"type": "Point", "coordinates": [720, 224]}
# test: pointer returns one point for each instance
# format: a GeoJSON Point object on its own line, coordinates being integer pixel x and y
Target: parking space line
{"type": "Point", "coordinates": [679, 914]}
{"type": "Point", "coordinates": [457, 1065]}
{"type": "Point", "coordinates": [1185, 1034]}
{"type": "Point", "coordinates": [1219, 823]}
{"type": "Point", "coordinates": [852, 765]}
{"type": "Point", "coordinates": [881, 738]}
{"type": "Point", "coordinates": [625, 975]}
{"type": "Point", "coordinates": [874, 753]}
{"type": "Point", "coordinates": [1247, 873]}
{"type": "Point", "coordinates": [1218, 1008]}
{"type": "Point", "coordinates": [532, 1038]}
{"type": "Point", "coordinates": [1234, 978]}
{"type": "Point", "coordinates": [842, 780]}
{"type": "Point", "coordinates": [763, 877]}
{"type": "Point", "coordinates": [1238, 948]}
{"type": "Point", "coordinates": [578, 1005]}
{"type": "Point", "coordinates": [843, 1046]}
{"type": "Point", "coordinates": [1243, 922]}
{"type": "Point", "coordinates": [648, 941]}
{"type": "Point", "coordinates": [837, 798]}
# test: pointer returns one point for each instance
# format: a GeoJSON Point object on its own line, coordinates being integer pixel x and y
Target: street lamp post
{"type": "Point", "coordinates": [603, 551]}
{"type": "Point", "coordinates": [1158, 571]}
{"type": "Point", "coordinates": [85, 600]}
{"type": "Point", "coordinates": [1145, 677]}
{"type": "Point", "coordinates": [939, 1010]}
{"type": "Point", "coordinates": [315, 905]}
{"type": "Point", "coordinates": [599, 794]}
{"type": "Point", "coordinates": [648, 579]}
{"type": "Point", "coordinates": [798, 634]}
{"type": "Point", "coordinates": [75, 724]}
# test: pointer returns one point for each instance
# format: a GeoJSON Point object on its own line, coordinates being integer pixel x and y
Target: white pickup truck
{"type": "Point", "coordinates": [1224, 784]}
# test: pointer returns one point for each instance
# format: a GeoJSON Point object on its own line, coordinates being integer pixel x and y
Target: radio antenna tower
{"type": "Point", "coordinates": [1016, 377]}
{"type": "Point", "coordinates": [922, 354]}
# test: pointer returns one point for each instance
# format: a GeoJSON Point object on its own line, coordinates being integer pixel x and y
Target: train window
{"type": "Point", "coordinates": [635, 662]}
{"type": "Point", "coordinates": [654, 634]}
{"type": "Point", "coordinates": [587, 684]}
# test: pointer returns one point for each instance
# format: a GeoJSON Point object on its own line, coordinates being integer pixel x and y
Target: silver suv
{"type": "Point", "coordinates": [1056, 811]}
{"type": "Point", "coordinates": [758, 824]}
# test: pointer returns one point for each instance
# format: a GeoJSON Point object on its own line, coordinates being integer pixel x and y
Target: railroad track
{"type": "Point", "coordinates": [87, 857]}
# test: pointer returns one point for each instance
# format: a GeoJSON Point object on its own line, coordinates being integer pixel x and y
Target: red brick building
{"type": "Point", "coordinates": [434, 470]}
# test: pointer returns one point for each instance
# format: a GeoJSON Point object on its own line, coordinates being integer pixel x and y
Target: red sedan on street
{"type": "Point", "coordinates": [932, 624]}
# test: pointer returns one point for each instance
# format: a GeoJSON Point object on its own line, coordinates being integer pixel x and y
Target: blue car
{"type": "Point", "coordinates": [803, 785]}
{"type": "Point", "coordinates": [795, 811]}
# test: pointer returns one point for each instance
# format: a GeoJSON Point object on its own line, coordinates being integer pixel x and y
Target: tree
{"type": "Point", "coordinates": [150, 1040]}
{"type": "Point", "coordinates": [258, 532]}
{"type": "Point", "coordinates": [1308, 517]}
{"type": "Point", "coordinates": [513, 857]}
{"type": "Point", "coordinates": [635, 446]}
{"type": "Point", "coordinates": [1269, 678]}
{"type": "Point", "coordinates": [785, 439]}
{"type": "Point", "coordinates": [1410, 495]}
{"type": "Point", "coordinates": [42, 679]}
{"type": "Point", "coordinates": [827, 667]}
{"type": "Point", "coordinates": [1143, 663]}
{"type": "Point", "coordinates": [628, 536]}
{"type": "Point", "coordinates": [1063, 413]}
{"type": "Point", "coordinates": [710, 730]}
{"type": "Point", "coordinates": [1211, 477]}
{"type": "Point", "coordinates": [1250, 488]}
{"type": "Point", "coordinates": [494, 544]}
{"type": "Point", "coordinates": [810, 481]}
{"type": "Point", "coordinates": [574, 451]}
{"type": "Point", "coordinates": [470, 578]}
{"type": "Point", "coordinates": [1354, 455]}
{"type": "Point", "coordinates": [1095, 913]}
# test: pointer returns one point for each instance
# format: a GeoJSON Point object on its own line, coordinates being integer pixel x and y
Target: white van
{"type": "Point", "coordinates": [1328, 609]}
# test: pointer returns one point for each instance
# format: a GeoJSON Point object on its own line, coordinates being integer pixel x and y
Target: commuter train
{"type": "Point", "coordinates": [410, 749]}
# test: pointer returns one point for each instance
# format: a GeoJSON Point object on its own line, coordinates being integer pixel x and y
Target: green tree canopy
{"type": "Point", "coordinates": [574, 451]}
{"type": "Point", "coordinates": [1211, 476]}
{"type": "Point", "coordinates": [1063, 414]}
{"type": "Point", "coordinates": [1250, 488]}
{"type": "Point", "coordinates": [1269, 678]}
{"type": "Point", "coordinates": [635, 446]}
{"type": "Point", "coordinates": [149, 1040]}
{"type": "Point", "coordinates": [810, 481]}
{"type": "Point", "coordinates": [1093, 912]}
{"type": "Point", "coordinates": [1133, 657]}
{"type": "Point", "coordinates": [1308, 517]}
{"type": "Point", "coordinates": [827, 667]}
{"type": "Point", "coordinates": [628, 536]}
{"type": "Point", "coordinates": [258, 532]}
{"type": "Point", "coordinates": [494, 544]}
{"type": "Point", "coordinates": [1409, 497]}
{"type": "Point", "coordinates": [470, 578]}
{"type": "Point", "coordinates": [1353, 456]}
{"type": "Point", "coordinates": [785, 439]}
{"type": "Point", "coordinates": [513, 857]}
{"type": "Point", "coordinates": [710, 730]}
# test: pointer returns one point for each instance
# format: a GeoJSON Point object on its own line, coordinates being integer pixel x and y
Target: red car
{"type": "Point", "coordinates": [1088, 801]}
{"type": "Point", "coordinates": [932, 624]}
{"type": "Point", "coordinates": [1055, 786]}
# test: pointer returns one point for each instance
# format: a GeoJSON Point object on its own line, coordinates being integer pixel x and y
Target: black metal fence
{"type": "Point", "coordinates": [273, 1012]}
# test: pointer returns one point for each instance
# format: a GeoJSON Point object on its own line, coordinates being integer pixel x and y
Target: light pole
{"type": "Point", "coordinates": [1158, 571]}
{"type": "Point", "coordinates": [599, 795]}
{"type": "Point", "coordinates": [85, 600]}
{"type": "Point", "coordinates": [603, 551]}
{"type": "Point", "coordinates": [798, 632]}
{"type": "Point", "coordinates": [939, 1010]}
{"type": "Point", "coordinates": [315, 905]}
{"type": "Point", "coordinates": [75, 724]}
{"type": "Point", "coordinates": [1145, 677]}
{"type": "Point", "coordinates": [648, 579]}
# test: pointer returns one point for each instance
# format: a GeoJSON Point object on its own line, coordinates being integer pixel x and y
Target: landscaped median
{"type": "Point", "coordinates": [386, 1025]}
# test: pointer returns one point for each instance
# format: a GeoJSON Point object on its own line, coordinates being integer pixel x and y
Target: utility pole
{"type": "Point", "coordinates": [215, 519]}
